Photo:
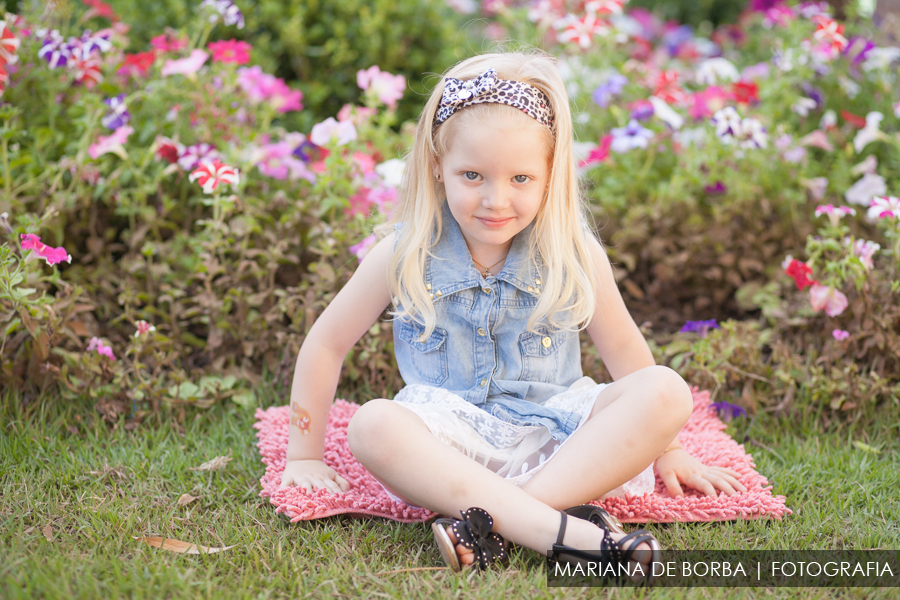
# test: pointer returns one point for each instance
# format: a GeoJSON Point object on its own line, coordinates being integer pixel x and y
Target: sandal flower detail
{"type": "Point", "coordinates": [473, 532]}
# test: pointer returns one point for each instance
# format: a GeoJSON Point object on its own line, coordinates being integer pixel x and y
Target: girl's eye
{"type": "Point", "coordinates": [470, 175]}
{"type": "Point", "coordinates": [521, 178]}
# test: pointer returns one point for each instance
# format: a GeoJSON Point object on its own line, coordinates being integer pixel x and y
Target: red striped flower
{"type": "Point", "coordinates": [210, 174]}
{"type": "Point", "coordinates": [830, 32]}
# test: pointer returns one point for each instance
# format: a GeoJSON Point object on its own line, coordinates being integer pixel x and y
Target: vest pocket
{"type": "Point", "coordinates": [429, 357]}
{"type": "Point", "coordinates": [540, 356]}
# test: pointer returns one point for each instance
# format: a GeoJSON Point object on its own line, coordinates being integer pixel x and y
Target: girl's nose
{"type": "Point", "coordinates": [497, 196]}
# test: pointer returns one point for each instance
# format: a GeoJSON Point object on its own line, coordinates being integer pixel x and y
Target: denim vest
{"type": "Point", "coordinates": [480, 349]}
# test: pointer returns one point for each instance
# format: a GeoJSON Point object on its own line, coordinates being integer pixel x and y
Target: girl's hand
{"type": "Point", "coordinates": [677, 467]}
{"type": "Point", "coordinates": [311, 475]}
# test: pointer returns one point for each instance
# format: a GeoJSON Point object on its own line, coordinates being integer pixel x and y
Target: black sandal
{"type": "Point", "coordinates": [473, 532]}
{"type": "Point", "coordinates": [597, 516]}
{"type": "Point", "coordinates": [611, 552]}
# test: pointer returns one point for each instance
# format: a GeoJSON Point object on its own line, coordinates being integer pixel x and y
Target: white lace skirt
{"type": "Point", "coordinates": [515, 452]}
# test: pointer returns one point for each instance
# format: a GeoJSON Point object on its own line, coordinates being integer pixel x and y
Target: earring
{"type": "Point", "coordinates": [437, 177]}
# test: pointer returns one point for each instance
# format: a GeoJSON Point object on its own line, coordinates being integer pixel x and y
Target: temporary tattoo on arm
{"type": "Point", "coordinates": [299, 418]}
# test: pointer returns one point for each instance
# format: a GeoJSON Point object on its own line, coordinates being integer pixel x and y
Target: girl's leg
{"type": "Point", "coordinates": [395, 445]}
{"type": "Point", "coordinates": [632, 422]}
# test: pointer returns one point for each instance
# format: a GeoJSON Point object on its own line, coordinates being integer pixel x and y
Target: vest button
{"type": "Point", "coordinates": [481, 332]}
{"type": "Point", "coordinates": [483, 382]}
{"type": "Point", "coordinates": [486, 290]}
{"type": "Point", "coordinates": [546, 342]}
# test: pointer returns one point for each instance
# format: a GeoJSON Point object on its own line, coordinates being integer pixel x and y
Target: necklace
{"type": "Point", "coordinates": [487, 270]}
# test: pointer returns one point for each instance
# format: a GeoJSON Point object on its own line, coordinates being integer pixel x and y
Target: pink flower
{"type": "Point", "coordinates": [817, 186]}
{"type": "Point", "coordinates": [283, 99]}
{"type": "Point", "coordinates": [365, 162]}
{"type": "Point", "coordinates": [834, 213]}
{"type": "Point", "coordinates": [865, 250]}
{"type": "Point", "coordinates": [232, 51]}
{"type": "Point", "coordinates": [709, 101]}
{"type": "Point", "coordinates": [884, 207]}
{"type": "Point", "coordinates": [361, 249]}
{"type": "Point", "coordinates": [111, 144]}
{"type": "Point", "coordinates": [386, 87]}
{"type": "Point", "coordinates": [330, 130]}
{"type": "Point", "coordinates": [97, 344]}
{"type": "Point", "coordinates": [185, 66]}
{"type": "Point", "coordinates": [833, 301]}
{"type": "Point", "coordinates": [211, 174]}
{"type": "Point", "coordinates": [598, 154]}
{"type": "Point", "coordinates": [143, 327]}
{"type": "Point", "coordinates": [278, 161]}
{"type": "Point", "coordinates": [840, 334]}
{"type": "Point", "coordinates": [168, 43]}
{"type": "Point", "coordinates": [51, 255]}
{"type": "Point", "coordinates": [261, 87]}
{"type": "Point", "coordinates": [358, 114]}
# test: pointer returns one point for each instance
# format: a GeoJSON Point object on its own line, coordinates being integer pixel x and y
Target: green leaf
{"type": "Point", "coordinates": [246, 398]}
{"type": "Point", "coordinates": [866, 447]}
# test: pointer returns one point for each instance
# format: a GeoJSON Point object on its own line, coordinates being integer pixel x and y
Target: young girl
{"type": "Point", "coordinates": [490, 271]}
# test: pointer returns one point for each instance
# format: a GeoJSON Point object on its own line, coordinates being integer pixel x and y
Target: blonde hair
{"type": "Point", "coordinates": [559, 235]}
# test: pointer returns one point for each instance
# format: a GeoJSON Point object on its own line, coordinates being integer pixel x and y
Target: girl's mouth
{"type": "Point", "coordinates": [494, 223]}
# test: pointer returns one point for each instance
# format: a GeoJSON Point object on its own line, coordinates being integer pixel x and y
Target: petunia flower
{"type": "Point", "coordinates": [865, 251]}
{"type": "Point", "coordinates": [665, 112]}
{"type": "Point", "coordinates": [885, 207]}
{"type": "Point", "coordinates": [211, 175]}
{"type": "Point", "coordinates": [803, 106]}
{"type": "Point", "coordinates": [713, 70]}
{"type": "Point", "coordinates": [598, 154]}
{"type": "Point", "coordinates": [361, 249]}
{"type": "Point", "coordinates": [191, 157]}
{"type": "Point", "coordinates": [817, 139]}
{"type": "Point", "coordinates": [114, 144]}
{"type": "Point", "coordinates": [610, 88]}
{"type": "Point", "coordinates": [9, 45]}
{"type": "Point", "coordinates": [386, 87]}
{"type": "Point", "coordinates": [840, 334]}
{"type": "Point", "coordinates": [230, 51]}
{"type": "Point", "coordinates": [799, 271]}
{"type": "Point", "coordinates": [641, 110]}
{"type": "Point", "coordinates": [834, 212]}
{"type": "Point", "coordinates": [745, 92]}
{"type": "Point", "coordinates": [699, 327]}
{"type": "Point", "coordinates": [869, 165]}
{"type": "Point", "coordinates": [185, 66]}
{"type": "Point", "coordinates": [99, 9]}
{"type": "Point", "coordinates": [869, 133]}
{"type": "Point", "coordinates": [632, 136]}
{"type": "Point", "coordinates": [330, 130]}
{"type": "Point", "coordinates": [167, 149]}
{"type": "Point", "coordinates": [716, 189]}
{"type": "Point", "coordinates": [880, 59]}
{"type": "Point", "coordinates": [118, 114]}
{"type": "Point", "coordinates": [143, 327]}
{"type": "Point", "coordinates": [137, 64]}
{"type": "Point", "coordinates": [52, 255]}
{"type": "Point", "coordinates": [278, 161]}
{"type": "Point", "coordinates": [224, 9]}
{"type": "Point", "coordinates": [728, 411]}
{"type": "Point", "coordinates": [868, 187]}
{"type": "Point", "coordinates": [665, 86]}
{"type": "Point", "coordinates": [54, 49]}
{"type": "Point", "coordinates": [827, 298]}
{"type": "Point", "coordinates": [582, 31]}
{"type": "Point", "coordinates": [828, 120]}
{"type": "Point", "coordinates": [262, 87]}
{"type": "Point", "coordinates": [705, 103]}
{"type": "Point", "coordinates": [168, 43]}
{"type": "Point", "coordinates": [816, 186]}
{"type": "Point", "coordinates": [830, 32]}
{"type": "Point", "coordinates": [391, 171]}
{"type": "Point", "coordinates": [97, 344]}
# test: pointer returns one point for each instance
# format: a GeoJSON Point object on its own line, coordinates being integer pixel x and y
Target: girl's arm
{"type": "Point", "coordinates": [615, 334]}
{"type": "Point", "coordinates": [352, 312]}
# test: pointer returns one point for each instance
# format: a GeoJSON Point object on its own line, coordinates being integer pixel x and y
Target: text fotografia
{"type": "Point", "coordinates": [738, 568]}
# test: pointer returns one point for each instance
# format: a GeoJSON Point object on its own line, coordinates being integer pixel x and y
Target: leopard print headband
{"type": "Point", "coordinates": [487, 87]}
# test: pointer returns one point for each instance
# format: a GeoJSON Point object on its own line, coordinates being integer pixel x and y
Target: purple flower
{"type": "Point", "coordinates": [609, 88]}
{"type": "Point", "coordinates": [89, 42]}
{"type": "Point", "coordinates": [642, 110]}
{"type": "Point", "coordinates": [633, 135]}
{"type": "Point", "coordinates": [699, 327]}
{"type": "Point", "coordinates": [674, 38]}
{"type": "Point", "coordinates": [119, 114]}
{"type": "Point", "coordinates": [231, 14]}
{"type": "Point", "coordinates": [54, 50]}
{"type": "Point", "coordinates": [716, 189]}
{"type": "Point", "coordinates": [192, 155]}
{"type": "Point", "coordinates": [857, 50]}
{"type": "Point", "coordinates": [728, 411]}
{"type": "Point", "coordinates": [813, 93]}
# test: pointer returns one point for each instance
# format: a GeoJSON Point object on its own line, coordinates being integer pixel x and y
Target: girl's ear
{"type": "Point", "coordinates": [436, 168]}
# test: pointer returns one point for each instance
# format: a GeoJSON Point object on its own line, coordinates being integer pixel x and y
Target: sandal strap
{"type": "Point", "coordinates": [636, 538]}
{"type": "Point", "coordinates": [562, 529]}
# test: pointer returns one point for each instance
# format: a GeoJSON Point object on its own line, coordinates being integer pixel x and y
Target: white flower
{"type": "Point", "coordinates": [391, 171]}
{"type": "Point", "coordinates": [713, 70]}
{"type": "Point", "coordinates": [693, 135]}
{"type": "Point", "coordinates": [662, 110]}
{"type": "Point", "coordinates": [867, 166]}
{"type": "Point", "coordinates": [884, 206]}
{"type": "Point", "coordinates": [869, 133]}
{"type": "Point", "coordinates": [803, 106]}
{"type": "Point", "coordinates": [463, 7]}
{"type": "Point", "coordinates": [850, 87]}
{"type": "Point", "coordinates": [865, 189]}
{"type": "Point", "coordinates": [881, 58]}
{"type": "Point", "coordinates": [323, 133]}
{"type": "Point", "coordinates": [829, 120]}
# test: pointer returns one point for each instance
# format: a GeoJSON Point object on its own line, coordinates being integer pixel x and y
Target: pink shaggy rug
{"type": "Point", "coordinates": [702, 436]}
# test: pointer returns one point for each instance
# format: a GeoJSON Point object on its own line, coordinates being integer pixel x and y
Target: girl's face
{"type": "Point", "coordinates": [495, 177]}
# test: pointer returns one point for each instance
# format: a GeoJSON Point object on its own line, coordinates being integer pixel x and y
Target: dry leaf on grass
{"type": "Point", "coordinates": [215, 464]}
{"type": "Point", "coordinates": [48, 532]}
{"type": "Point", "coordinates": [186, 499]}
{"type": "Point", "coordinates": [179, 546]}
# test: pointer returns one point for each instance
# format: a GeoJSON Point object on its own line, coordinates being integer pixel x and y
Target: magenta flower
{"type": "Point", "coordinates": [168, 43]}
{"type": "Point", "coordinates": [826, 298]}
{"type": "Point", "coordinates": [97, 344]}
{"type": "Point", "coordinates": [185, 66]}
{"type": "Point", "coordinates": [278, 161]}
{"type": "Point", "coordinates": [111, 144]}
{"type": "Point", "coordinates": [52, 255]}
{"type": "Point", "coordinates": [840, 334]}
{"type": "Point", "coordinates": [384, 86]}
{"type": "Point", "coordinates": [231, 51]}
{"type": "Point", "coordinates": [261, 87]}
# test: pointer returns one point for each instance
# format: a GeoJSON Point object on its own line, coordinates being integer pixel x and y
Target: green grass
{"type": "Point", "coordinates": [99, 489]}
